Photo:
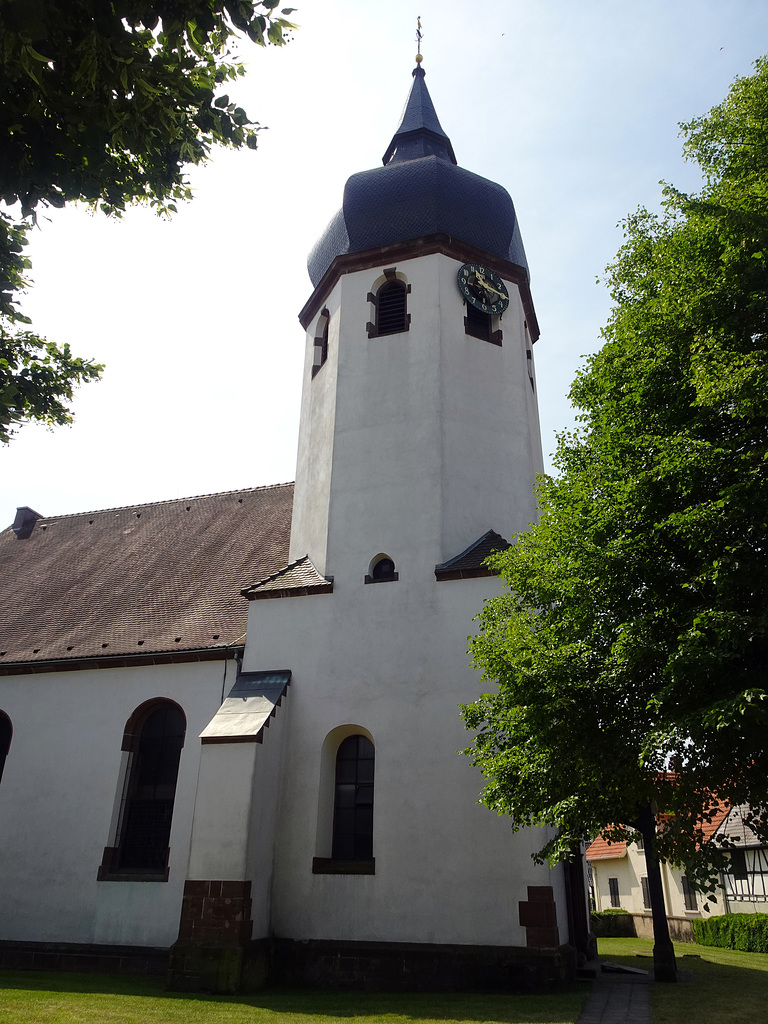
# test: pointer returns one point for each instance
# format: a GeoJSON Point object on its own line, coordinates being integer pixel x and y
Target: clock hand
{"type": "Point", "coordinates": [485, 286]}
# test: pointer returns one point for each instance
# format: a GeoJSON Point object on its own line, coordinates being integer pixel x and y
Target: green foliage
{"type": "Point", "coordinates": [106, 102]}
{"type": "Point", "coordinates": [631, 645]}
{"type": "Point", "coordinates": [37, 379]}
{"type": "Point", "coordinates": [747, 932]}
{"type": "Point", "coordinates": [614, 922]}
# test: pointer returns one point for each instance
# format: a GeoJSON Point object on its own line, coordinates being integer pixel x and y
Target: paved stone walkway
{"type": "Point", "coordinates": [618, 1000]}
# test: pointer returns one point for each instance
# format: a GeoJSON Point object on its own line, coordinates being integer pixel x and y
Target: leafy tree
{"type": "Point", "coordinates": [105, 102]}
{"type": "Point", "coordinates": [630, 649]}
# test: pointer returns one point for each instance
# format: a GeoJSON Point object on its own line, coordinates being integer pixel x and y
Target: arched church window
{"type": "Point", "coordinates": [381, 568]}
{"type": "Point", "coordinates": [390, 306]}
{"type": "Point", "coordinates": [353, 800]}
{"type": "Point", "coordinates": [6, 733]}
{"type": "Point", "coordinates": [153, 739]}
{"type": "Point", "coordinates": [321, 342]}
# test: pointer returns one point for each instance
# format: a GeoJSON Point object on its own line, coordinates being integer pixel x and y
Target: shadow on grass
{"type": "Point", "coordinates": [559, 1007]}
{"type": "Point", "coordinates": [715, 985]}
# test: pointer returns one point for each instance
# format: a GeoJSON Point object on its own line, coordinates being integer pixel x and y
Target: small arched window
{"type": "Point", "coordinates": [390, 305]}
{"type": "Point", "coordinates": [321, 342]}
{"type": "Point", "coordinates": [353, 800]}
{"type": "Point", "coordinates": [381, 568]}
{"type": "Point", "coordinates": [154, 736]}
{"type": "Point", "coordinates": [6, 732]}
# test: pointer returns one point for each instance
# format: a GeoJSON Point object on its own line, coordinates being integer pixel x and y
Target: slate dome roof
{"type": "Point", "coordinates": [419, 191]}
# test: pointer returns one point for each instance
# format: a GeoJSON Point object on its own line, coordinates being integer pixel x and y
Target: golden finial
{"type": "Point", "coordinates": [419, 58]}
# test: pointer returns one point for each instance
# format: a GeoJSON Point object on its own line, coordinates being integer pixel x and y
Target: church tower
{"type": "Point", "coordinates": [349, 832]}
{"type": "Point", "coordinates": [419, 425]}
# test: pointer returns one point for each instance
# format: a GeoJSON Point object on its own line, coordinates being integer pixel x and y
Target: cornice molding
{"type": "Point", "coordinates": [368, 259]}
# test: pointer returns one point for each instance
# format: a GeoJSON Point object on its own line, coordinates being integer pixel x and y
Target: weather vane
{"type": "Point", "coordinates": [419, 58]}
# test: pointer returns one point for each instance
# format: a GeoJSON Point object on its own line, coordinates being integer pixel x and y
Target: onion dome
{"type": "Point", "coordinates": [420, 191]}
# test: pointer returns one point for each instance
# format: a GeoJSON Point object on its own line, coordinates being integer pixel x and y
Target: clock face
{"type": "Point", "coordinates": [483, 289]}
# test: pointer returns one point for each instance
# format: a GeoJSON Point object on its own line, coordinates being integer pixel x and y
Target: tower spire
{"type": "Point", "coordinates": [419, 132]}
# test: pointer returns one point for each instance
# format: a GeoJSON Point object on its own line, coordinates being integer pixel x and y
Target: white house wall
{"type": "Point", "coordinates": [57, 800]}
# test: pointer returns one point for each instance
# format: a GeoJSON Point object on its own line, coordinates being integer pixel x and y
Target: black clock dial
{"type": "Point", "coordinates": [482, 288]}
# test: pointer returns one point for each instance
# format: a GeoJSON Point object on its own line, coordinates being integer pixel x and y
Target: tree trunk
{"type": "Point", "coordinates": [664, 965]}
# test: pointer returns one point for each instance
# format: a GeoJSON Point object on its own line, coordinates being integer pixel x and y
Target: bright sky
{"type": "Point", "coordinates": [573, 107]}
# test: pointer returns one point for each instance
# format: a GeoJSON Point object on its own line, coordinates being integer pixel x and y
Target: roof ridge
{"type": "Point", "coordinates": [281, 572]}
{"type": "Point", "coordinates": [471, 547]}
{"type": "Point", "coordinates": [164, 501]}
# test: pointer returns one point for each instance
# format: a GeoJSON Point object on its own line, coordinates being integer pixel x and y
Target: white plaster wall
{"type": "Point", "coordinates": [265, 808]}
{"type": "Point", "coordinates": [315, 452]}
{"type": "Point", "coordinates": [222, 810]}
{"type": "Point", "coordinates": [391, 658]}
{"type": "Point", "coordinates": [57, 798]}
{"type": "Point", "coordinates": [433, 434]}
{"type": "Point", "coordinates": [415, 445]}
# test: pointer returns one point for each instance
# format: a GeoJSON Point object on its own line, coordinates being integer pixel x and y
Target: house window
{"type": "Point", "coordinates": [390, 306]}
{"type": "Point", "coordinates": [321, 342]}
{"type": "Point", "coordinates": [613, 888]}
{"type": "Point", "coordinates": [154, 736]}
{"type": "Point", "coordinates": [747, 878]}
{"type": "Point", "coordinates": [6, 732]}
{"type": "Point", "coordinates": [646, 893]}
{"type": "Point", "coordinates": [689, 894]}
{"type": "Point", "coordinates": [353, 802]}
{"type": "Point", "coordinates": [480, 325]}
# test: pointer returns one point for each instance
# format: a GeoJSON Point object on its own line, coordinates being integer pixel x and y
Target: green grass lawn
{"type": "Point", "coordinates": [43, 998]}
{"type": "Point", "coordinates": [717, 986]}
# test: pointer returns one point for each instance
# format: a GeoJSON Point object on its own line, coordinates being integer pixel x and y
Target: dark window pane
{"type": "Point", "coordinates": [346, 772]}
{"type": "Point", "coordinates": [6, 732]}
{"type": "Point", "coordinates": [477, 323]}
{"type": "Point", "coordinates": [689, 895]}
{"type": "Point", "coordinates": [646, 893]}
{"type": "Point", "coordinates": [384, 569]}
{"type": "Point", "coordinates": [353, 805]}
{"type": "Point", "coordinates": [613, 888]}
{"type": "Point", "coordinates": [145, 827]}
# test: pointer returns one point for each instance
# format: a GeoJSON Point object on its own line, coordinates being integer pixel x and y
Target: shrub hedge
{"type": "Point", "coordinates": [612, 924]}
{"type": "Point", "coordinates": [747, 932]}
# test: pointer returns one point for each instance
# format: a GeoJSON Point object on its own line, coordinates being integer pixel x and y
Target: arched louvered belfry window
{"type": "Point", "coordinates": [481, 325]}
{"type": "Point", "coordinates": [153, 738]}
{"type": "Point", "coordinates": [390, 304]}
{"type": "Point", "coordinates": [353, 802]}
{"type": "Point", "coordinates": [6, 732]}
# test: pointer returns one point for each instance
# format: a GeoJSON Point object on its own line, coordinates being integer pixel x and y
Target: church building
{"type": "Point", "coordinates": [229, 734]}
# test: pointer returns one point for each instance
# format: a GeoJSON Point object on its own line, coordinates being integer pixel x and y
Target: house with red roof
{"type": "Point", "coordinates": [618, 878]}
